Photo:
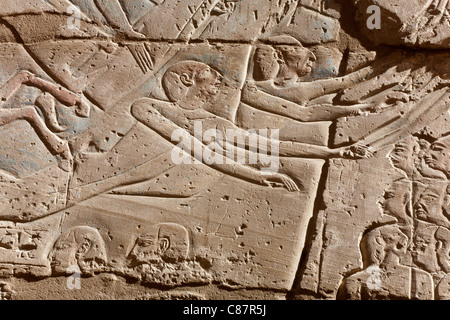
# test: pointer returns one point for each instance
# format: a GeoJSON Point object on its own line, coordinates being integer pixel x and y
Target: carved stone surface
{"type": "Point", "coordinates": [210, 149]}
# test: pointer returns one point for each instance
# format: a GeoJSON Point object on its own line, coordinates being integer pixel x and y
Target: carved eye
{"type": "Point", "coordinates": [399, 150]}
{"type": "Point", "coordinates": [429, 199]}
{"type": "Point", "coordinates": [389, 194]}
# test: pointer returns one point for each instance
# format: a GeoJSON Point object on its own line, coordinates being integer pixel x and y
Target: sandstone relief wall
{"type": "Point", "coordinates": [212, 149]}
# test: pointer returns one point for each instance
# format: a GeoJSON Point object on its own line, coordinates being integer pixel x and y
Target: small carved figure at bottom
{"type": "Point", "coordinates": [170, 243]}
{"type": "Point", "coordinates": [80, 246]}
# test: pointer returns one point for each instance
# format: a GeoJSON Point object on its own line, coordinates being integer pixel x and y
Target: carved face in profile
{"type": "Point", "coordinates": [64, 254]}
{"type": "Point", "coordinates": [297, 59]}
{"type": "Point", "coordinates": [403, 156]}
{"type": "Point", "coordinates": [190, 84]}
{"type": "Point", "coordinates": [80, 246]}
{"type": "Point", "coordinates": [395, 241]}
{"type": "Point", "coordinates": [169, 242]}
{"type": "Point", "coordinates": [438, 155]}
{"type": "Point", "coordinates": [432, 203]}
{"type": "Point", "coordinates": [443, 248]}
{"type": "Point", "coordinates": [146, 249]}
{"type": "Point", "coordinates": [396, 200]}
{"type": "Point", "coordinates": [266, 63]}
{"type": "Point", "coordinates": [424, 253]}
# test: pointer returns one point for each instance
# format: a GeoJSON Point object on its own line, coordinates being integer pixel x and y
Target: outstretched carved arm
{"type": "Point", "coordinates": [265, 143]}
{"type": "Point", "coordinates": [303, 92]}
{"type": "Point", "coordinates": [334, 85]}
{"type": "Point", "coordinates": [144, 111]}
{"type": "Point", "coordinates": [259, 99]}
{"type": "Point", "coordinates": [290, 149]}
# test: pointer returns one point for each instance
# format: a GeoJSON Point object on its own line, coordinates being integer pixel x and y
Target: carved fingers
{"type": "Point", "coordinates": [250, 86]}
{"type": "Point", "coordinates": [25, 76]}
{"type": "Point", "coordinates": [282, 180]}
{"type": "Point", "coordinates": [439, 6]}
{"type": "Point", "coordinates": [141, 53]}
{"type": "Point", "coordinates": [396, 96]}
{"type": "Point", "coordinates": [82, 108]}
{"type": "Point", "coordinates": [356, 152]}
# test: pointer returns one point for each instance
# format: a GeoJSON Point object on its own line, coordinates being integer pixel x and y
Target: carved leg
{"type": "Point", "coordinates": [53, 142]}
{"type": "Point", "coordinates": [46, 103]}
{"type": "Point", "coordinates": [63, 95]}
{"type": "Point", "coordinates": [442, 6]}
{"type": "Point", "coordinates": [14, 84]}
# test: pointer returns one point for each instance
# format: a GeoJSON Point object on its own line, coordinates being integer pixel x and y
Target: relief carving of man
{"type": "Point", "coordinates": [188, 85]}
{"type": "Point", "coordinates": [277, 87]}
{"type": "Point", "coordinates": [425, 244]}
{"type": "Point", "coordinates": [396, 202]}
{"type": "Point", "coordinates": [438, 156]}
{"type": "Point", "coordinates": [45, 102]}
{"type": "Point", "coordinates": [404, 156]}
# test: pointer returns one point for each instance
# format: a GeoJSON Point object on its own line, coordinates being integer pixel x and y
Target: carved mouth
{"type": "Point", "coordinates": [429, 160]}
{"type": "Point", "coordinates": [421, 213]}
{"type": "Point", "coordinates": [55, 263]}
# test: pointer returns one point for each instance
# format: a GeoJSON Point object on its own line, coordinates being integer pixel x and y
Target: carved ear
{"type": "Point", "coordinates": [279, 57]}
{"type": "Point", "coordinates": [186, 80]}
{"type": "Point", "coordinates": [164, 244]}
{"type": "Point", "coordinates": [447, 201]}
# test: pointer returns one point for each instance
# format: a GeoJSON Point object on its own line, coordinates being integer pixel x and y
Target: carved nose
{"type": "Point", "coordinates": [219, 78]}
{"type": "Point", "coordinates": [312, 57]}
{"type": "Point", "coordinates": [419, 205]}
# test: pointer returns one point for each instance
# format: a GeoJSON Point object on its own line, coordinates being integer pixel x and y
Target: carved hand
{"type": "Point", "coordinates": [82, 108]}
{"type": "Point", "coordinates": [286, 182]}
{"type": "Point", "coordinates": [355, 152]}
{"type": "Point", "coordinates": [25, 76]}
{"type": "Point", "coordinates": [390, 100]}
